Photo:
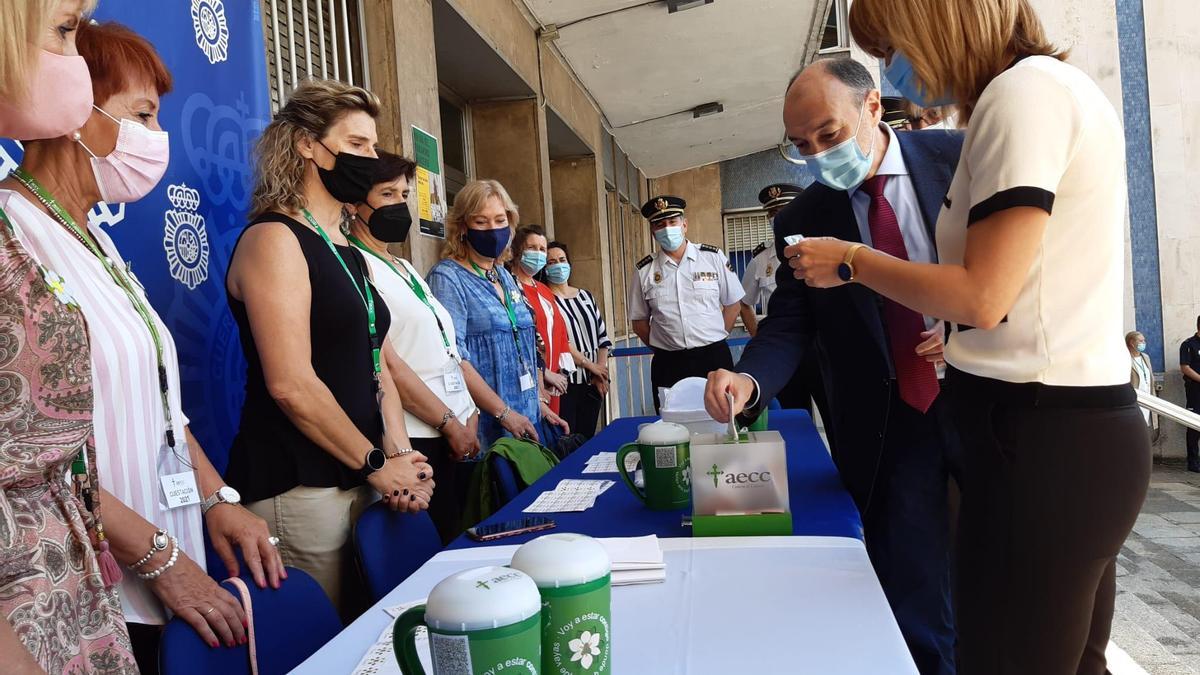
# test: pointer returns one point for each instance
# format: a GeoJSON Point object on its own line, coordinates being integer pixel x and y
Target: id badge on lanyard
{"type": "Point", "coordinates": [452, 376]}
{"type": "Point", "coordinates": [176, 476]}
{"type": "Point", "coordinates": [527, 381]}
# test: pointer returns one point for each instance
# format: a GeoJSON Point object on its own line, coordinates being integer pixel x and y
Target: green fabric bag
{"type": "Point", "coordinates": [530, 460]}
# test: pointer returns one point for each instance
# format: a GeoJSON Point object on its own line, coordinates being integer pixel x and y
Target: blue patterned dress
{"type": "Point", "coordinates": [485, 339]}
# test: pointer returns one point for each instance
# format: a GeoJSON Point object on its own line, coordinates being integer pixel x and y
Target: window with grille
{"type": "Point", "coordinates": [313, 38]}
{"type": "Point", "coordinates": [743, 232]}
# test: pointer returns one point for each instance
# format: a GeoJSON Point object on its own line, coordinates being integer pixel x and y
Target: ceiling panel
{"type": "Point", "coordinates": [647, 69]}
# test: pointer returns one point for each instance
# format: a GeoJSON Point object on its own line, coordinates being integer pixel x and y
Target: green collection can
{"type": "Point", "coordinates": [483, 621]}
{"type": "Point", "coordinates": [573, 575]}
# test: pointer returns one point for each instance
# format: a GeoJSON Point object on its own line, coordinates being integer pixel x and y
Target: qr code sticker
{"type": "Point", "coordinates": [451, 654]}
{"type": "Point", "coordinates": [665, 457]}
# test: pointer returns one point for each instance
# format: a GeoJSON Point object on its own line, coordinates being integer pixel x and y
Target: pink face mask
{"type": "Point", "coordinates": [59, 100]}
{"type": "Point", "coordinates": [135, 165]}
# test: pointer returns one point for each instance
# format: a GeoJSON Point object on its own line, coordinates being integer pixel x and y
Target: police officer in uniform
{"type": "Point", "coordinates": [758, 281]}
{"type": "Point", "coordinates": [683, 299]}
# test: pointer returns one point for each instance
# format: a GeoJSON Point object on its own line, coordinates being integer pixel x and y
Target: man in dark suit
{"type": "Point", "coordinates": [895, 448]}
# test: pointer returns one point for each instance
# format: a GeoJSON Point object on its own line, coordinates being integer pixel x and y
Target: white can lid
{"type": "Point", "coordinates": [664, 433]}
{"type": "Point", "coordinates": [480, 598]}
{"type": "Point", "coordinates": [562, 559]}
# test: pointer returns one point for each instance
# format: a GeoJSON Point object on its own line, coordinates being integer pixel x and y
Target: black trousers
{"type": "Point", "coordinates": [451, 480]}
{"type": "Point", "coordinates": [1054, 479]}
{"type": "Point", "coordinates": [1193, 436]}
{"type": "Point", "coordinates": [667, 367]}
{"type": "Point", "coordinates": [580, 407]}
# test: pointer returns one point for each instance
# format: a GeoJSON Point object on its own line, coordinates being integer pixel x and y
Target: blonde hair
{"type": "Point", "coordinates": [25, 21]}
{"type": "Point", "coordinates": [954, 46]}
{"type": "Point", "coordinates": [472, 199]}
{"type": "Point", "coordinates": [314, 107]}
{"type": "Point", "coordinates": [1131, 338]}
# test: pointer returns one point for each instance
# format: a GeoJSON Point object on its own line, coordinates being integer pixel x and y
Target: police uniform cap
{"type": "Point", "coordinates": [662, 207]}
{"type": "Point", "coordinates": [895, 111]}
{"type": "Point", "coordinates": [779, 194]}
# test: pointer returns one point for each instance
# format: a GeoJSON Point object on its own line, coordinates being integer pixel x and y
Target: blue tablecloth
{"type": "Point", "coordinates": [820, 505]}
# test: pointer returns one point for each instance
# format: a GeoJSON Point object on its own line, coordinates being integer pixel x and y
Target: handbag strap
{"type": "Point", "coordinates": [248, 607]}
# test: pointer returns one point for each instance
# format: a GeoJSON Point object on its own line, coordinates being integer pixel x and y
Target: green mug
{"type": "Point", "coordinates": [481, 622]}
{"type": "Point", "coordinates": [666, 465]}
{"type": "Point", "coordinates": [572, 572]}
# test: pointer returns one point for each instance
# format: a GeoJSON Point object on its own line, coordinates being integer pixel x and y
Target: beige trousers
{"type": "Point", "coordinates": [313, 526]}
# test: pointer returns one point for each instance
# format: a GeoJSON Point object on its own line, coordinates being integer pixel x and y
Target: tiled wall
{"type": "Point", "coordinates": [1140, 166]}
{"type": "Point", "coordinates": [744, 177]}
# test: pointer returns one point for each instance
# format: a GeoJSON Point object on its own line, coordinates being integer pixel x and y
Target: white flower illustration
{"type": "Point", "coordinates": [585, 648]}
{"type": "Point", "coordinates": [59, 287]}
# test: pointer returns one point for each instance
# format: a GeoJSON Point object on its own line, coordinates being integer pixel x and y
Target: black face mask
{"type": "Point", "coordinates": [351, 177]}
{"type": "Point", "coordinates": [389, 224]}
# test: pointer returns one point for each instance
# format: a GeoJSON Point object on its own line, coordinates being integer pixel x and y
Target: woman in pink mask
{"type": "Point", "coordinates": [147, 470]}
{"type": "Point", "coordinates": [50, 526]}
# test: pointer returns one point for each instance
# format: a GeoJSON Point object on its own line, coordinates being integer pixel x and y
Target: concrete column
{"type": "Point", "coordinates": [701, 188]}
{"type": "Point", "coordinates": [576, 206]}
{"type": "Point", "coordinates": [511, 147]}
{"type": "Point", "coordinates": [404, 76]}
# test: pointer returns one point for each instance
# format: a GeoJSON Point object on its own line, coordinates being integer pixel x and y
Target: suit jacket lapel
{"type": "Point", "coordinates": [931, 174]}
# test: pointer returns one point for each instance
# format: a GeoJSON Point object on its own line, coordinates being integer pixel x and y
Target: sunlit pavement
{"type": "Point", "coordinates": [1157, 622]}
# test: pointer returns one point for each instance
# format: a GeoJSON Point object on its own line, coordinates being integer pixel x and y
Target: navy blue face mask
{"type": "Point", "coordinates": [488, 243]}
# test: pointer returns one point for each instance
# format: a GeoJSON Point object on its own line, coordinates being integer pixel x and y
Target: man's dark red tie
{"type": "Point", "coordinates": [916, 376]}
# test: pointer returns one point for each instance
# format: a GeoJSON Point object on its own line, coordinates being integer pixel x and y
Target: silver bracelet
{"type": "Point", "coordinates": [503, 414]}
{"type": "Point", "coordinates": [154, 548]}
{"type": "Point", "coordinates": [151, 576]}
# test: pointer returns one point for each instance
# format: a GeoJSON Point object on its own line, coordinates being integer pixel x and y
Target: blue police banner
{"type": "Point", "coordinates": [180, 237]}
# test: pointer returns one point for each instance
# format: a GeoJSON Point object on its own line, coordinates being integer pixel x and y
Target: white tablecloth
{"type": "Point", "coordinates": [729, 606]}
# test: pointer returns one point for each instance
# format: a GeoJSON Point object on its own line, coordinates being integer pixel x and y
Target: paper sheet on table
{"type": "Point", "coordinates": [606, 462]}
{"type": "Point", "coordinates": [635, 560]}
{"type": "Point", "coordinates": [570, 495]}
{"type": "Point", "coordinates": [380, 659]}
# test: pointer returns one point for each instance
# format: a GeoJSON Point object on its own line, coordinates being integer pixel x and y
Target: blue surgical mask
{"type": "Point", "coordinates": [533, 261]}
{"type": "Point", "coordinates": [1141, 346]}
{"type": "Point", "coordinates": [669, 238]}
{"type": "Point", "coordinates": [844, 166]}
{"type": "Point", "coordinates": [558, 273]}
{"type": "Point", "coordinates": [902, 76]}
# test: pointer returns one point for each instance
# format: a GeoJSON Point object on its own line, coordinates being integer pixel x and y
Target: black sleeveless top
{"type": "Point", "coordinates": [270, 455]}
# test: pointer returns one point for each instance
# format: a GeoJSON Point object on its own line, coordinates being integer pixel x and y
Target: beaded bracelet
{"type": "Point", "coordinates": [153, 549]}
{"type": "Point", "coordinates": [151, 576]}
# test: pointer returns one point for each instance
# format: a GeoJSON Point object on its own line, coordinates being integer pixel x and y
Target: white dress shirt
{"type": "Point", "coordinates": [901, 194]}
{"type": "Point", "coordinates": [684, 301]}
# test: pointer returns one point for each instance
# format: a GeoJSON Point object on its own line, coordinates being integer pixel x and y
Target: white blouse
{"type": "Point", "coordinates": [1043, 135]}
{"type": "Point", "coordinates": [415, 336]}
{"type": "Point", "coordinates": [128, 413]}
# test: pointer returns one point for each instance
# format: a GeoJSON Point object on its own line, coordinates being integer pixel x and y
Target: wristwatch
{"type": "Point", "coordinates": [374, 461]}
{"type": "Point", "coordinates": [223, 495]}
{"type": "Point", "coordinates": [846, 269]}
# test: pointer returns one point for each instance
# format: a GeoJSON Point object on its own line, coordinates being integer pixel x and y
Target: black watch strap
{"type": "Point", "coordinates": [373, 462]}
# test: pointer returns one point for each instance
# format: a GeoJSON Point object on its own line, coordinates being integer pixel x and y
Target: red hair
{"type": "Point", "coordinates": [118, 59]}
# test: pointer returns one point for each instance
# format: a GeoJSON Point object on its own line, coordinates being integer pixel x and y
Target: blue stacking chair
{"type": "Point", "coordinates": [290, 624]}
{"type": "Point", "coordinates": [773, 404]}
{"type": "Point", "coordinates": [504, 479]}
{"type": "Point", "coordinates": [392, 545]}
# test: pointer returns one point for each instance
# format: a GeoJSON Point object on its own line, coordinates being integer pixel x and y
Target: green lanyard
{"type": "Point", "coordinates": [512, 312]}
{"type": "Point", "coordinates": [417, 290]}
{"type": "Point", "coordinates": [119, 278]}
{"type": "Point", "coordinates": [368, 298]}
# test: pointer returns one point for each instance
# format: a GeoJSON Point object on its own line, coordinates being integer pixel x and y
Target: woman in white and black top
{"type": "Point", "coordinates": [588, 386]}
{"type": "Point", "coordinates": [1030, 250]}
